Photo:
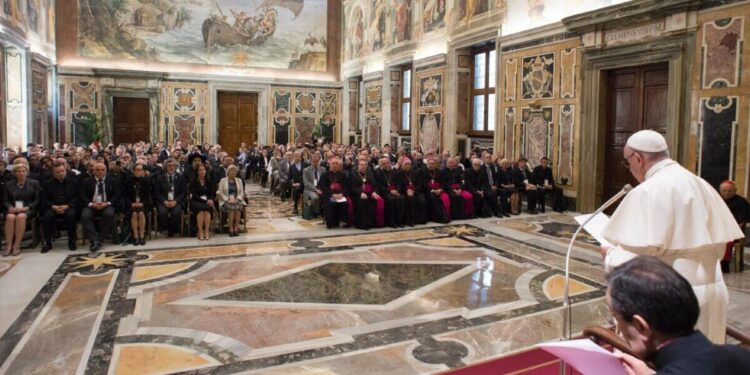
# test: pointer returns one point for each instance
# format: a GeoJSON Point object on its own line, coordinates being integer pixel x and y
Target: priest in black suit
{"type": "Point", "coordinates": [390, 184]}
{"type": "Point", "coordinates": [415, 192]}
{"type": "Point", "coordinates": [59, 201]}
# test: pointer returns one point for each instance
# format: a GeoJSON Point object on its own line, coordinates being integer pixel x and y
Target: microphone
{"type": "Point", "coordinates": [567, 310]}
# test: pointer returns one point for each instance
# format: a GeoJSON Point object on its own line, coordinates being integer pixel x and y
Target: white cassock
{"type": "Point", "coordinates": [679, 218]}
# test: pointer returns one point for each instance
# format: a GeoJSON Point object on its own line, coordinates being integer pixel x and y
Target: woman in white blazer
{"type": "Point", "coordinates": [231, 197]}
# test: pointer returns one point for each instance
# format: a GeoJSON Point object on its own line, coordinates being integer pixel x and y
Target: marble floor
{"type": "Point", "coordinates": [290, 297]}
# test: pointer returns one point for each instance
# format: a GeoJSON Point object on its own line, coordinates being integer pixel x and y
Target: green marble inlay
{"type": "Point", "coordinates": [344, 283]}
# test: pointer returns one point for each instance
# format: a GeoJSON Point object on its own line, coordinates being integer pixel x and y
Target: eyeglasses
{"type": "Point", "coordinates": [626, 163]}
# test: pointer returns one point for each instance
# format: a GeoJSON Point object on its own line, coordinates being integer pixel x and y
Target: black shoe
{"type": "Point", "coordinates": [72, 246]}
{"type": "Point", "coordinates": [46, 247]}
{"type": "Point", "coordinates": [506, 214]}
{"type": "Point", "coordinates": [542, 210]}
{"type": "Point", "coordinates": [96, 246]}
{"type": "Point", "coordinates": [143, 241]}
{"type": "Point", "coordinates": [170, 234]}
{"type": "Point", "coordinates": [295, 212]}
{"type": "Point", "coordinates": [532, 212]}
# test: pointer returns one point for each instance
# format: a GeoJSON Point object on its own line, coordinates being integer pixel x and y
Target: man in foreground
{"type": "Point", "coordinates": [655, 310]}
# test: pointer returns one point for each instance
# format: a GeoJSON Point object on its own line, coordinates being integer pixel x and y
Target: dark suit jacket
{"type": "Point", "coordinates": [29, 194]}
{"type": "Point", "coordinates": [418, 178]}
{"type": "Point", "coordinates": [694, 354]}
{"type": "Point", "coordinates": [383, 179]}
{"type": "Point", "coordinates": [328, 178]}
{"type": "Point", "coordinates": [540, 174]}
{"type": "Point", "coordinates": [295, 175]}
{"type": "Point", "coordinates": [111, 186]}
{"type": "Point", "coordinates": [69, 185]}
{"type": "Point", "coordinates": [161, 188]}
{"type": "Point", "coordinates": [476, 181]}
{"type": "Point", "coordinates": [132, 190]}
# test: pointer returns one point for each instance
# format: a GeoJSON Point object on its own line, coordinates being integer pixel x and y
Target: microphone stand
{"type": "Point", "coordinates": [567, 309]}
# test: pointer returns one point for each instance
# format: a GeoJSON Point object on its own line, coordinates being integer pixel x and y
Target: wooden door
{"type": "Point", "coordinates": [637, 101]}
{"type": "Point", "coordinates": [238, 120]}
{"type": "Point", "coordinates": [131, 120]}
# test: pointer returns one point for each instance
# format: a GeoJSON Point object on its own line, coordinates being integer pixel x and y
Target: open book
{"type": "Point", "coordinates": [595, 227]}
{"type": "Point", "coordinates": [586, 357]}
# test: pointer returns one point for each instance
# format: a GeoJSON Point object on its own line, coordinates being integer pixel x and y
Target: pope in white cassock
{"type": "Point", "coordinates": [678, 217]}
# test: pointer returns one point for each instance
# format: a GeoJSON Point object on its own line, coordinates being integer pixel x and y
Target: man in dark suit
{"type": "Point", "coordinates": [169, 194]}
{"type": "Point", "coordinates": [59, 201]}
{"type": "Point", "coordinates": [295, 178]}
{"type": "Point", "coordinates": [99, 197]}
{"type": "Point", "coordinates": [478, 184]}
{"type": "Point", "coordinates": [656, 311]}
{"type": "Point", "coordinates": [546, 184]}
{"type": "Point", "coordinates": [524, 181]}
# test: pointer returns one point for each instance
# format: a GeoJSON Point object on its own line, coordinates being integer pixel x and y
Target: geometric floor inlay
{"type": "Point", "coordinates": [400, 301]}
{"type": "Point", "coordinates": [345, 283]}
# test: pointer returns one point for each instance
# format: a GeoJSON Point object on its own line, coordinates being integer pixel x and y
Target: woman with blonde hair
{"type": "Point", "coordinates": [231, 197]}
{"type": "Point", "coordinates": [21, 199]}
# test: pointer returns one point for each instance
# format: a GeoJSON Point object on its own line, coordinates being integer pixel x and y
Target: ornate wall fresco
{"type": "Point", "coordinates": [41, 130]}
{"type": "Point", "coordinates": [280, 34]}
{"type": "Point", "coordinates": [539, 105]}
{"type": "Point", "coordinates": [536, 133]}
{"type": "Point", "coordinates": [79, 100]}
{"type": "Point", "coordinates": [722, 48]}
{"type": "Point", "coordinates": [430, 109]}
{"type": "Point", "coordinates": [184, 113]}
{"type": "Point", "coordinates": [304, 115]}
{"type": "Point", "coordinates": [373, 112]}
{"type": "Point", "coordinates": [32, 19]}
{"type": "Point", "coordinates": [538, 76]}
{"type": "Point", "coordinates": [717, 126]}
{"type": "Point", "coordinates": [720, 121]}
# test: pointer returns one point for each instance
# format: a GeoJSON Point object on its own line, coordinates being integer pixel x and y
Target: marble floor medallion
{"type": "Point", "coordinates": [399, 302]}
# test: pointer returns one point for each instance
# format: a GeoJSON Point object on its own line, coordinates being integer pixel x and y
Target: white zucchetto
{"type": "Point", "coordinates": [647, 141]}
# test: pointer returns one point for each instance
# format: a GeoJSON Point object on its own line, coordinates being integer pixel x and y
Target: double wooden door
{"type": "Point", "coordinates": [637, 101]}
{"type": "Point", "coordinates": [131, 120]}
{"type": "Point", "coordinates": [238, 120]}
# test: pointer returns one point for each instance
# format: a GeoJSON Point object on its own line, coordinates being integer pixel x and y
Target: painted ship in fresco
{"type": "Point", "coordinates": [248, 29]}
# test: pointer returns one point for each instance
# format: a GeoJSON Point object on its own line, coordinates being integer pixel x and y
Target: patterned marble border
{"type": "Point", "coordinates": [113, 330]}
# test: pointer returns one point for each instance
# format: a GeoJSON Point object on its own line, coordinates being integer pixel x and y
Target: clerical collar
{"type": "Point", "coordinates": [659, 166]}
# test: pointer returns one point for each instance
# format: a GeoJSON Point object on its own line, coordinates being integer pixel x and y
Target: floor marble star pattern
{"type": "Point", "coordinates": [309, 301]}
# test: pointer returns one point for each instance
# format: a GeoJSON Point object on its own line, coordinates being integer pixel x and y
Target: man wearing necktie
{"type": "Point", "coordinates": [169, 195]}
{"type": "Point", "coordinates": [99, 198]}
